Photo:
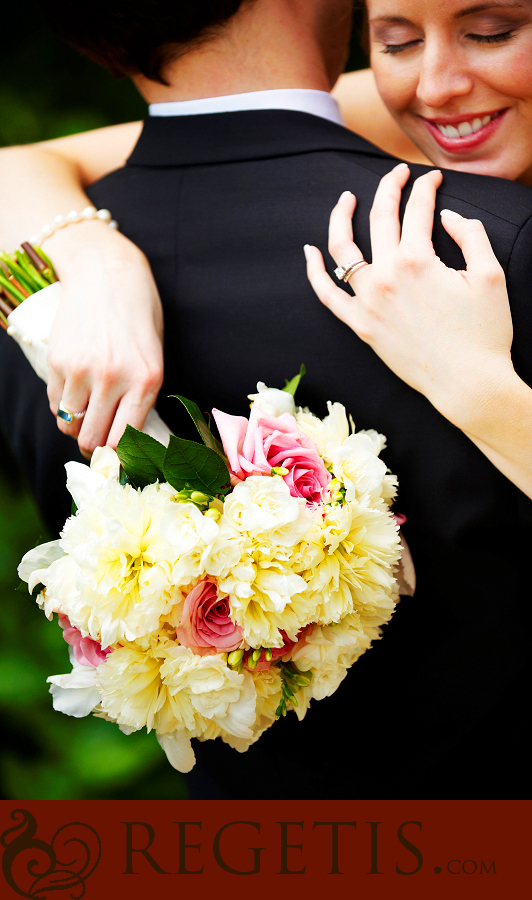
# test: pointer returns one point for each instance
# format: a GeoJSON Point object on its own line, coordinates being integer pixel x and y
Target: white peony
{"type": "Point", "coordinates": [272, 401]}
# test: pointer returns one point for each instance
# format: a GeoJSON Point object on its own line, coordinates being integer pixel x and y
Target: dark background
{"type": "Point", "coordinates": [48, 90]}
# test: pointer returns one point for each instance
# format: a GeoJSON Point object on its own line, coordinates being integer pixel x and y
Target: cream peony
{"type": "Point", "coordinates": [276, 600]}
{"type": "Point", "coordinates": [168, 688]}
{"type": "Point", "coordinates": [116, 578]}
{"type": "Point", "coordinates": [262, 506]}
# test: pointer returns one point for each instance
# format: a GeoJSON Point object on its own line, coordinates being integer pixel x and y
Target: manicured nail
{"type": "Point", "coordinates": [345, 195]}
{"type": "Point", "coordinates": [400, 166]}
{"type": "Point", "coordinates": [449, 214]}
{"type": "Point", "coordinates": [307, 250]}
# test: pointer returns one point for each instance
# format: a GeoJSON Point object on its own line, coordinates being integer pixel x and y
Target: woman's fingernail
{"type": "Point", "coordinates": [306, 251]}
{"type": "Point", "coordinates": [344, 195]}
{"type": "Point", "coordinates": [400, 166]}
{"type": "Point", "coordinates": [449, 214]}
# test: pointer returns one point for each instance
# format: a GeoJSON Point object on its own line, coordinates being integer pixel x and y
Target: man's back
{"type": "Point", "coordinates": [222, 206]}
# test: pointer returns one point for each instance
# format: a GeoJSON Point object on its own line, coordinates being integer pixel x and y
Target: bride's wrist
{"type": "Point", "coordinates": [88, 244]}
{"type": "Point", "coordinates": [490, 396]}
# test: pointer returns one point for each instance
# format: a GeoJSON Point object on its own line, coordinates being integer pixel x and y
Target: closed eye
{"type": "Point", "coordinates": [398, 48]}
{"type": "Point", "coordinates": [492, 38]}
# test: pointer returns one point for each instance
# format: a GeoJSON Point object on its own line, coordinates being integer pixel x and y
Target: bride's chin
{"type": "Point", "coordinates": [495, 167]}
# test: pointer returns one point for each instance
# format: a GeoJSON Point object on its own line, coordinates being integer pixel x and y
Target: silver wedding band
{"type": "Point", "coordinates": [343, 273]}
{"type": "Point", "coordinates": [67, 416]}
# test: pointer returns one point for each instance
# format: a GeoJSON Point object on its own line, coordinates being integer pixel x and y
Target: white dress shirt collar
{"type": "Point", "coordinates": [317, 103]}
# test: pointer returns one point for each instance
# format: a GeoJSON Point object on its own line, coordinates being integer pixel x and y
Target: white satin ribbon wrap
{"type": "Point", "coordinates": [30, 324]}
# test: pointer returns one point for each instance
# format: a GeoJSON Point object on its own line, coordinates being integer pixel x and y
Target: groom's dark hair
{"type": "Point", "coordinates": [130, 37]}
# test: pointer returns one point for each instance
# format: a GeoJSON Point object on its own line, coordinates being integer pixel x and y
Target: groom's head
{"type": "Point", "coordinates": [143, 37]}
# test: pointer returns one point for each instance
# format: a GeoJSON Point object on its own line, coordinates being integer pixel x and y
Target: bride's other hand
{"type": "Point", "coordinates": [105, 347]}
{"type": "Point", "coordinates": [446, 333]}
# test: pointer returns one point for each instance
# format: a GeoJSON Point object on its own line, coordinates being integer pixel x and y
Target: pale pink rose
{"type": "Point", "coordinates": [86, 651]}
{"type": "Point", "coordinates": [206, 626]}
{"type": "Point", "coordinates": [256, 445]}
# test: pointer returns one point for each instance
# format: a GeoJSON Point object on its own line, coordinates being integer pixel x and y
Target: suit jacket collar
{"type": "Point", "coordinates": [240, 136]}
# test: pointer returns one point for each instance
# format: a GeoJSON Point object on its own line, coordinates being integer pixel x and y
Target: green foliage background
{"type": "Point", "coordinates": [48, 90]}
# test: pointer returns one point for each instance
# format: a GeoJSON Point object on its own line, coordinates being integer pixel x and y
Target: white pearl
{"type": "Point", "coordinates": [46, 229]}
{"type": "Point", "coordinates": [104, 214]}
{"type": "Point", "coordinates": [34, 238]}
{"type": "Point", "coordinates": [73, 216]}
{"type": "Point", "coordinates": [59, 220]}
{"type": "Point", "coordinates": [89, 212]}
{"type": "Point", "coordinates": [113, 224]}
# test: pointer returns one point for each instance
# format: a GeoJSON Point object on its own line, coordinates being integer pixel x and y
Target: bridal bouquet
{"type": "Point", "coordinates": [205, 590]}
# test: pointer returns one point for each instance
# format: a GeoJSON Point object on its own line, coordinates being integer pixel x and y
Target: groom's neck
{"type": "Point", "coordinates": [270, 44]}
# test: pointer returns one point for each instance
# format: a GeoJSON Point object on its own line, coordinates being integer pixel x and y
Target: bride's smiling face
{"type": "Point", "coordinates": [457, 77]}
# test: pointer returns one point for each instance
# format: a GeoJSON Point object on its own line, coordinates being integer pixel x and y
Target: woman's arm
{"type": "Point", "coordinates": [364, 112]}
{"type": "Point", "coordinates": [105, 349]}
{"type": "Point", "coordinates": [446, 333]}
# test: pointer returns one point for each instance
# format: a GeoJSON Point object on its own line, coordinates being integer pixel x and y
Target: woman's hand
{"type": "Point", "coordinates": [446, 333]}
{"type": "Point", "coordinates": [105, 347]}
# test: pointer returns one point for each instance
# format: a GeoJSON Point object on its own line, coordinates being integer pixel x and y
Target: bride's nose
{"type": "Point", "coordinates": [443, 75]}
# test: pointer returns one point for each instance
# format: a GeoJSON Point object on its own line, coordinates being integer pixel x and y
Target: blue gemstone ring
{"type": "Point", "coordinates": [67, 416]}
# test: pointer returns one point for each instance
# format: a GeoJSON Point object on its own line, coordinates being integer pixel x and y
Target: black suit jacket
{"type": "Point", "coordinates": [222, 205]}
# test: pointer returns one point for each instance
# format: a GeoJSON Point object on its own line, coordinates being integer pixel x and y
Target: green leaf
{"type": "Point", "coordinates": [197, 417]}
{"type": "Point", "coordinates": [292, 385]}
{"type": "Point", "coordinates": [141, 457]}
{"type": "Point", "coordinates": [188, 464]}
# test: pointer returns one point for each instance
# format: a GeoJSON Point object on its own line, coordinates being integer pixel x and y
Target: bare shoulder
{"type": "Point", "coordinates": [364, 112]}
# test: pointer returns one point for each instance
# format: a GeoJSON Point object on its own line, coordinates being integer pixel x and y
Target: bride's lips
{"type": "Point", "coordinates": [460, 144]}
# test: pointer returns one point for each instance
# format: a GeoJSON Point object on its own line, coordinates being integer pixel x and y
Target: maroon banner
{"type": "Point", "coordinates": [393, 849]}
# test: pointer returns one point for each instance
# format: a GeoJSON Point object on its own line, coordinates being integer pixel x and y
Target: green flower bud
{"type": "Point", "coordinates": [252, 663]}
{"type": "Point", "coordinates": [334, 484]}
{"type": "Point", "coordinates": [268, 654]}
{"type": "Point", "coordinates": [213, 513]}
{"type": "Point", "coordinates": [182, 496]}
{"type": "Point", "coordinates": [257, 654]}
{"type": "Point", "coordinates": [235, 657]}
{"type": "Point", "coordinates": [199, 497]}
{"type": "Point", "coordinates": [278, 470]}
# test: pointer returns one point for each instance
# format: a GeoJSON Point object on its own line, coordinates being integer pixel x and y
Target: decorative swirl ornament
{"type": "Point", "coordinates": [35, 869]}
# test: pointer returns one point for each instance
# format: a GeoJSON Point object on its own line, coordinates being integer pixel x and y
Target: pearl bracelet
{"type": "Point", "coordinates": [90, 212]}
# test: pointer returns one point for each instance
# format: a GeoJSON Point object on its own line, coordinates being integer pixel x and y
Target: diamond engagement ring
{"type": "Point", "coordinates": [343, 273]}
{"type": "Point", "coordinates": [67, 416]}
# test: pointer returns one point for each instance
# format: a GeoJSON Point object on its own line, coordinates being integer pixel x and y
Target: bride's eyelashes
{"type": "Point", "coordinates": [492, 38]}
{"type": "Point", "coordinates": [398, 48]}
{"type": "Point", "coordinates": [500, 38]}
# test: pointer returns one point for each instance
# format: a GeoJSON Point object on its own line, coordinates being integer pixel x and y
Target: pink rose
{"type": "Point", "coordinates": [86, 651]}
{"type": "Point", "coordinates": [257, 445]}
{"type": "Point", "coordinates": [206, 625]}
